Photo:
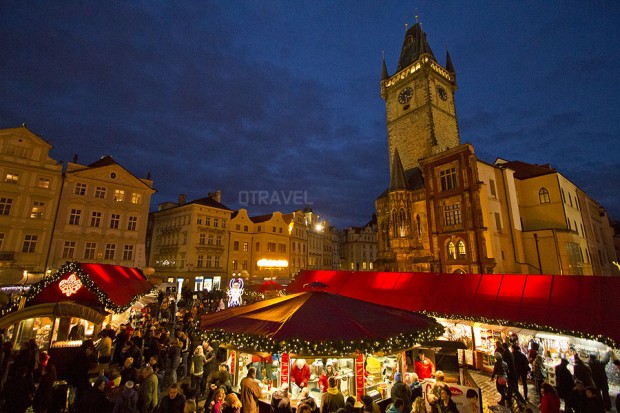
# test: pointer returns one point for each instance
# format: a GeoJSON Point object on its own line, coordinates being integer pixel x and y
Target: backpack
{"type": "Point", "coordinates": [129, 404]}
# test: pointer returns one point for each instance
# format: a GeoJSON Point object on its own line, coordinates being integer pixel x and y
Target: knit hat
{"type": "Point", "coordinates": [398, 377]}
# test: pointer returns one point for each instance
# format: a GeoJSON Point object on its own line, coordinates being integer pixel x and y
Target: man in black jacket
{"type": "Point", "coordinates": [522, 367]}
{"type": "Point", "coordinates": [173, 402]}
{"type": "Point", "coordinates": [513, 377]}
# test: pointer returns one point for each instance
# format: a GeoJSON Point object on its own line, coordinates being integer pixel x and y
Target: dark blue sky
{"type": "Point", "coordinates": [283, 96]}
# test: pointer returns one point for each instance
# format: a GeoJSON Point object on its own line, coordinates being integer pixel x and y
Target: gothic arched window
{"type": "Point", "coordinates": [543, 195]}
{"type": "Point", "coordinates": [451, 251]}
{"type": "Point", "coordinates": [461, 247]}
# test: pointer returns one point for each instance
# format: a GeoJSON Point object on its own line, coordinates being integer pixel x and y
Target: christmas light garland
{"type": "Point", "coordinates": [530, 326]}
{"type": "Point", "coordinates": [340, 348]}
{"type": "Point", "coordinates": [88, 283]}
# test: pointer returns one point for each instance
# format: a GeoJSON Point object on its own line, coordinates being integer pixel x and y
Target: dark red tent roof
{"type": "Point", "coordinates": [319, 323]}
{"type": "Point", "coordinates": [575, 305]}
{"type": "Point", "coordinates": [95, 285]}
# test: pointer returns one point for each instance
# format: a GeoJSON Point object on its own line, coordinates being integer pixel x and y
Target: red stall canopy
{"type": "Point", "coordinates": [92, 285]}
{"type": "Point", "coordinates": [582, 306]}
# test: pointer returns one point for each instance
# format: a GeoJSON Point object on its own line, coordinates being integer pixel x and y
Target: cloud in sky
{"type": "Point", "coordinates": [284, 96]}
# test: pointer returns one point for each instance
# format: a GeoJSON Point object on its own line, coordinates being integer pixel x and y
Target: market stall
{"type": "Point", "coordinates": [68, 307]}
{"type": "Point", "coordinates": [321, 328]}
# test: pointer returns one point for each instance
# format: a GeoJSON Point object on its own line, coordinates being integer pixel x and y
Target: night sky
{"type": "Point", "coordinates": [283, 96]}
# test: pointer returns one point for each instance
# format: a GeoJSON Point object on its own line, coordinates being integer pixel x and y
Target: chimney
{"type": "Point", "coordinates": [216, 196]}
{"type": "Point", "coordinates": [182, 199]}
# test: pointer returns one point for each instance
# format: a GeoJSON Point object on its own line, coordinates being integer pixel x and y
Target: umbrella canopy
{"type": "Point", "coordinates": [270, 286]}
{"type": "Point", "coordinates": [319, 323]}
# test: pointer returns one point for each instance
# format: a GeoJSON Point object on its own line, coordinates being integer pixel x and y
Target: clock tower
{"type": "Point", "coordinates": [419, 100]}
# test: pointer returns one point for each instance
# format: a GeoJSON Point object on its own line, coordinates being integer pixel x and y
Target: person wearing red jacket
{"type": "Point", "coordinates": [300, 373]}
{"type": "Point", "coordinates": [550, 401]}
{"type": "Point", "coordinates": [327, 373]}
{"type": "Point", "coordinates": [423, 367]}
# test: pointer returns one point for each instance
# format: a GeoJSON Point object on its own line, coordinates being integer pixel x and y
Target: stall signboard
{"type": "Point", "coordinates": [359, 376]}
{"type": "Point", "coordinates": [467, 399]}
{"type": "Point", "coordinates": [284, 368]}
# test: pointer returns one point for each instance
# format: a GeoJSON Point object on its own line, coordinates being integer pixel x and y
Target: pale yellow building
{"type": "Point", "coordinates": [30, 186]}
{"type": "Point", "coordinates": [358, 247]}
{"type": "Point", "coordinates": [190, 241]}
{"type": "Point", "coordinates": [271, 247]}
{"type": "Point", "coordinates": [599, 234]}
{"type": "Point", "coordinates": [102, 215]}
{"type": "Point", "coordinates": [298, 233]}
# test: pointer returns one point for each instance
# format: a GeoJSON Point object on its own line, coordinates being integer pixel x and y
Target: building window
{"type": "Point", "coordinates": [543, 196]}
{"type": "Point", "coordinates": [95, 219]}
{"type": "Point", "coordinates": [234, 265]}
{"type": "Point", "coordinates": [110, 250]}
{"type": "Point", "coordinates": [448, 179]}
{"type": "Point", "coordinates": [74, 216]}
{"type": "Point", "coordinates": [218, 240]}
{"type": "Point", "coordinates": [244, 265]}
{"type": "Point", "coordinates": [100, 192]}
{"type": "Point", "coordinates": [371, 266]}
{"type": "Point", "coordinates": [5, 206]}
{"type": "Point", "coordinates": [37, 209]}
{"type": "Point", "coordinates": [461, 249]}
{"type": "Point", "coordinates": [30, 243]}
{"type": "Point", "coordinates": [492, 188]}
{"type": "Point", "coordinates": [136, 198]}
{"type": "Point", "coordinates": [1, 240]}
{"type": "Point", "coordinates": [271, 247]}
{"type": "Point", "coordinates": [208, 221]}
{"type": "Point", "coordinates": [68, 251]}
{"type": "Point", "coordinates": [562, 193]}
{"type": "Point", "coordinates": [364, 265]}
{"type": "Point", "coordinates": [282, 248]}
{"type": "Point", "coordinates": [132, 224]}
{"type": "Point", "coordinates": [200, 260]}
{"type": "Point", "coordinates": [260, 228]}
{"type": "Point", "coordinates": [128, 253]}
{"type": "Point", "coordinates": [237, 227]}
{"type": "Point", "coordinates": [115, 220]}
{"type": "Point", "coordinates": [80, 189]}
{"type": "Point", "coordinates": [202, 239]}
{"type": "Point", "coordinates": [452, 214]}
{"type": "Point", "coordinates": [11, 178]}
{"type": "Point", "coordinates": [257, 246]}
{"type": "Point", "coordinates": [89, 250]}
{"type": "Point", "coordinates": [216, 261]}
{"type": "Point", "coordinates": [235, 245]}
{"type": "Point", "coordinates": [223, 222]}
{"type": "Point", "coordinates": [570, 199]}
{"type": "Point", "coordinates": [119, 195]}
{"type": "Point", "coordinates": [209, 261]}
{"type": "Point", "coordinates": [43, 182]}
{"type": "Point", "coordinates": [199, 221]}
{"type": "Point", "coordinates": [210, 242]}
{"type": "Point", "coordinates": [216, 222]}
{"type": "Point", "coordinates": [451, 251]}
{"type": "Point", "coordinates": [498, 222]}
{"type": "Point", "coordinates": [245, 228]}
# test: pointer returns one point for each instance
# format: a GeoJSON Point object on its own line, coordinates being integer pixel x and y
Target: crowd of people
{"type": "Point", "coordinates": [586, 390]}
{"type": "Point", "coordinates": [156, 363]}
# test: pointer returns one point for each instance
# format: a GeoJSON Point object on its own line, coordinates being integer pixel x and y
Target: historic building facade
{"type": "Point", "coordinates": [102, 215]}
{"type": "Point", "coordinates": [358, 247]}
{"type": "Point", "coordinates": [30, 187]}
{"type": "Point", "coordinates": [446, 211]}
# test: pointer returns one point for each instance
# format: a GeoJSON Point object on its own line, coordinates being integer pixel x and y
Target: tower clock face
{"type": "Point", "coordinates": [405, 95]}
{"type": "Point", "coordinates": [442, 93]}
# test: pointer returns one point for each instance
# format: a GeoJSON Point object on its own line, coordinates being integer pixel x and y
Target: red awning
{"type": "Point", "coordinates": [582, 305]}
{"type": "Point", "coordinates": [94, 285]}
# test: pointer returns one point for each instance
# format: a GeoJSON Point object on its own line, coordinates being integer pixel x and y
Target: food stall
{"type": "Point", "coordinates": [320, 328]}
{"type": "Point", "coordinates": [70, 306]}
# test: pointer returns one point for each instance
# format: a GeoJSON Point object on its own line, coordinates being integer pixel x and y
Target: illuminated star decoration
{"type": "Point", "coordinates": [70, 286]}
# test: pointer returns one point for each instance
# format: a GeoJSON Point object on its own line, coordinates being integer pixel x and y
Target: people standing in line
{"type": "Point", "coordinates": [415, 386]}
{"type": "Point", "coordinates": [94, 399]}
{"type": "Point", "coordinates": [45, 376]}
{"type": "Point", "coordinates": [332, 399]}
{"type": "Point", "coordinates": [500, 374]}
{"type": "Point", "coordinates": [582, 371]}
{"type": "Point", "coordinates": [250, 392]}
{"type": "Point", "coordinates": [593, 401]}
{"type": "Point", "coordinates": [148, 393]}
{"type": "Point", "coordinates": [599, 376]}
{"type": "Point", "coordinates": [576, 401]}
{"type": "Point", "coordinates": [402, 391]}
{"type": "Point", "coordinates": [563, 379]}
{"type": "Point", "coordinates": [197, 370]}
{"type": "Point", "coordinates": [550, 401]}
{"type": "Point", "coordinates": [174, 359]}
{"type": "Point", "coordinates": [522, 366]}
{"type": "Point", "coordinates": [513, 377]}
{"type": "Point", "coordinates": [446, 404]}
{"type": "Point", "coordinates": [173, 402]}
{"type": "Point", "coordinates": [127, 402]}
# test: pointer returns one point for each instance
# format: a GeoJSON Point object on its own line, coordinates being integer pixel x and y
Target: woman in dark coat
{"type": "Point", "coordinates": [564, 379]}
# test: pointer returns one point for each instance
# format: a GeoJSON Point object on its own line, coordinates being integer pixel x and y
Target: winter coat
{"type": "Point", "coordinates": [521, 362]}
{"type": "Point", "coordinates": [564, 379]}
{"type": "Point", "coordinates": [130, 394]}
{"type": "Point", "coordinates": [332, 400]}
{"type": "Point", "coordinates": [416, 390]}
{"type": "Point", "coordinates": [449, 408]}
{"type": "Point", "coordinates": [402, 391]}
{"type": "Point", "coordinates": [168, 405]}
{"type": "Point", "coordinates": [148, 395]}
{"type": "Point", "coordinates": [583, 373]}
{"type": "Point", "coordinates": [550, 403]}
{"type": "Point", "coordinates": [250, 393]}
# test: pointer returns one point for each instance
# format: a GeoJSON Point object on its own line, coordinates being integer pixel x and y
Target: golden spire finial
{"type": "Point", "coordinates": [416, 15]}
{"type": "Point", "coordinates": [406, 23]}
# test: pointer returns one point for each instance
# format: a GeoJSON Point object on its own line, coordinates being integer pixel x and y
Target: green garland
{"type": "Point", "coordinates": [337, 348]}
{"type": "Point", "coordinates": [530, 326]}
{"type": "Point", "coordinates": [74, 267]}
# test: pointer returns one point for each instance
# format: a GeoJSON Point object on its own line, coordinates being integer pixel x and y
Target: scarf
{"type": "Point", "coordinates": [332, 390]}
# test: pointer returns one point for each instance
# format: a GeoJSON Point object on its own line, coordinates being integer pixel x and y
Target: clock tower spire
{"type": "Point", "coordinates": [419, 100]}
